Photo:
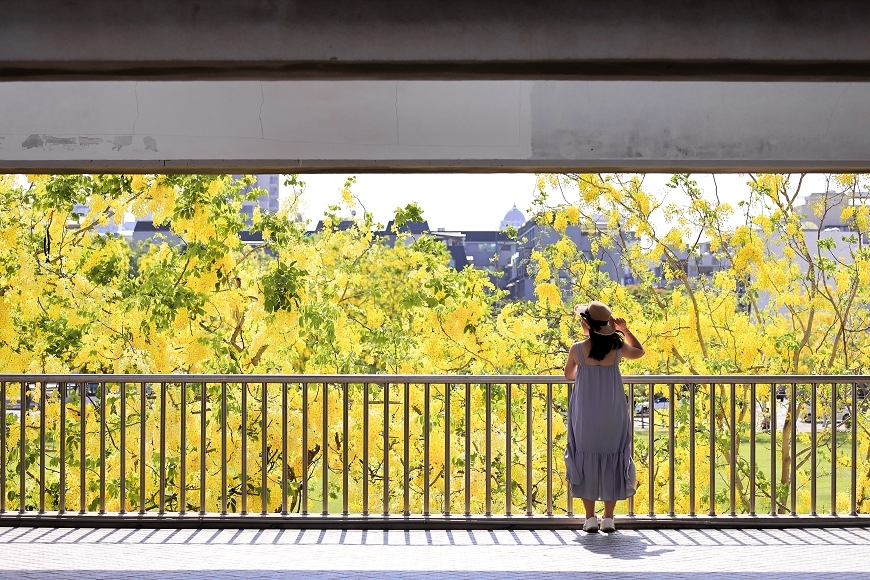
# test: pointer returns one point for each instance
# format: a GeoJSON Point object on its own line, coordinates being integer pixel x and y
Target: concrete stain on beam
{"type": "Point", "coordinates": [118, 142]}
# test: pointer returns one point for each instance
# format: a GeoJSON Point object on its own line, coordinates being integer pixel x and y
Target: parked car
{"type": "Point", "coordinates": [843, 416]}
{"type": "Point", "coordinates": [660, 403]}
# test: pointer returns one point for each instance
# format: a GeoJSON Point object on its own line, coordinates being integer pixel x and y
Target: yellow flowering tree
{"type": "Point", "coordinates": [342, 300]}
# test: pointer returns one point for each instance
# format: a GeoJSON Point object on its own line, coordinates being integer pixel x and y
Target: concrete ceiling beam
{"type": "Point", "coordinates": [449, 39]}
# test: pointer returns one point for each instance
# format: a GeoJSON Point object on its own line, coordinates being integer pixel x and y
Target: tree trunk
{"type": "Point", "coordinates": [786, 458]}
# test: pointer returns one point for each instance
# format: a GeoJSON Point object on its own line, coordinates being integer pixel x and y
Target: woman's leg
{"type": "Point", "coordinates": [589, 506]}
{"type": "Point", "coordinates": [609, 506]}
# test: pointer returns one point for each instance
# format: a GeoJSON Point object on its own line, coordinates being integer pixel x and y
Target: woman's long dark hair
{"type": "Point", "coordinates": [604, 343]}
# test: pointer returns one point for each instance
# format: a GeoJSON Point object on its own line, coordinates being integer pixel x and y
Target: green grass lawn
{"type": "Point", "coordinates": [762, 460]}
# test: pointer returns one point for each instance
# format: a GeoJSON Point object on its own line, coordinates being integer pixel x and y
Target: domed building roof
{"type": "Point", "coordinates": [514, 218]}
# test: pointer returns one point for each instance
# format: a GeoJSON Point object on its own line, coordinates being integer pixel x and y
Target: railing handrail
{"type": "Point", "coordinates": [420, 379]}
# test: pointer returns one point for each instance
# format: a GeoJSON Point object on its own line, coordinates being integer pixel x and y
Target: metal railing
{"type": "Point", "coordinates": [421, 451]}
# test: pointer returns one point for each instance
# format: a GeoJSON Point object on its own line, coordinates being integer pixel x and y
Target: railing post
{"type": "Point", "coordinates": [488, 435]}
{"type": "Point", "coordinates": [385, 388]}
{"type": "Point", "coordinates": [406, 452]}
{"type": "Point", "coordinates": [284, 460]}
{"type": "Point", "coordinates": [244, 434]}
{"type": "Point", "coordinates": [304, 430]}
{"type": "Point", "coordinates": [447, 466]}
{"type": "Point", "coordinates": [508, 452]}
{"type": "Point", "coordinates": [773, 426]}
{"type": "Point", "coordinates": [834, 431]}
{"type": "Point", "coordinates": [42, 412]}
{"type": "Point", "coordinates": [671, 448]}
{"type": "Point", "coordinates": [853, 423]}
{"type": "Point", "coordinates": [264, 449]}
{"type": "Point", "coordinates": [814, 440]}
{"type": "Point", "coordinates": [161, 449]}
{"type": "Point", "coordinates": [182, 441]}
{"type": "Point", "coordinates": [752, 422]}
{"type": "Point", "coordinates": [61, 508]}
{"type": "Point", "coordinates": [792, 476]}
{"type": "Point", "coordinates": [426, 404]}
{"type": "Point", "coordinates": [692, 460]}
{"type": "Point", "coordinates": [529, 506]}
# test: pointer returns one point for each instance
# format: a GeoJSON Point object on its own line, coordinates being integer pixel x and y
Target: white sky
{"type": "Point", "coordinates": [475, 201]}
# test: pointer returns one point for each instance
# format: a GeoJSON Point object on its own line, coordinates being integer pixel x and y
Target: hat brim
{"type": "Point", "coordinates": [605, 330]}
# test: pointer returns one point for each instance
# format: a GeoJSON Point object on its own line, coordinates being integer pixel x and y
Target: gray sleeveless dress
{"type": "Point", "coordinates": [598, 455]}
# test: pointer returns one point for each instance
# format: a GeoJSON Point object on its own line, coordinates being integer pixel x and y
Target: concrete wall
{"type": "Point", "coordinates": [493, 126]}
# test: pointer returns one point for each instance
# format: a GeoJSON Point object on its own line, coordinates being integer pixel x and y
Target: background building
{"type": "Point", "coordinates": [144, 228]}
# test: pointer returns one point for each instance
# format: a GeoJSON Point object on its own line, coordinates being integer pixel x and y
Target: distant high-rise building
{"type": "Point", "coordinates": [82, 210]}
{"type": "Point", "coordinates": [268, 202]}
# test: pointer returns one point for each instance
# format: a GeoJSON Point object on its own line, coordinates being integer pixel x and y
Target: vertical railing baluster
{"type": "Point", "coordinates": [244, 436]}
{"type": "Point", "coordinates": [549, 449]}
{"type": "Point", "coordinates": [792, 477]}
{"type": "Point", "coordinates": [693, 506]}
{"type": "Point", "coordinates": [365, 451]}
{"type": "Point", "coordinates": [467, 468]}
{"type": "Point", "coordinates": [3, 452]}
{"type": "Point", "coordinates": [712, 511]}
{"type": "Point", "coordinates": [426, 429]}
{"type": "Point", "coordinates": [304, 447]}
{"type": "Point", "coordinates": [752, 436]}
{"type": "Point", "coordinates": [508, 452]}
{"type": "Point", "coordinates": [569, 509]}
{"type": "Point", "coordinates": [42, 449]}
{"type": "Point", "coordinates": [203, 411]}
{"type": "Point", "coordinates": [732, 440]}
{"type": "Point", "coordinates": [62, 445]}
{"type": "Point", "coordinates": [386, 392]}
{"type": "Point", "coordinates": [834, 431]}
{"type": "Point", "coordinates": [182, 454]}
{"type": "Point", "coordinates": [103, 388]}
{"type": "Point", "coordinates": [122, 445]}
{"type": "Point", "coordinates": [488, 449]}
{"type": "Point", "coordinates": [671, 479]}
{"type": "Point", "coordinates": [631, 439]}
{"type": "Point", "coordinates": [447, 466]}
{"type": "Point", "coordinates": [853, 423]}
{"type": "Point", "coordinates": [83, 504]}
{"type": "Point", "coordinates": [773, 426]}
{"type": "Point", "coordinates": [529, 506]}
{"type": "Point", "coordinates": [406, 452]}
{"type": "Point", "coordinates": [143, 397]}
{"type": "Point", "coordinates": [651, 454]}
{"type": "Point", "coordinates": [344, 453]}
{"type": "Point", "coordinates": [264, 448]}
{"type": "Point", "coordinates": [162, 448]}
{"type": "Point", "coordinates": [284, 460]}
{"type": "Point", "coordinates": [814, 419]}
{"type": "Point", "coordinates": [22, 449]}
{"type": "Point", "coordinates": [224, 490]}
{"type": "Point", "coordinates": [324, 498]}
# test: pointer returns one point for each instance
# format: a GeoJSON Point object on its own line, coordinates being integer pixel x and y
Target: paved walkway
{"type": "Point", "coordinates": [87, 553]}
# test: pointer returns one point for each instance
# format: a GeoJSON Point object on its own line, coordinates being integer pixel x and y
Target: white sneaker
{"type": "Point", "coordinates": [591, 525]}
{"type": "Point", "coordinates": [607, 526]}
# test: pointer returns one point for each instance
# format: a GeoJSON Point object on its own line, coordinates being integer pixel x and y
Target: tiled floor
{"type": "Point", "coordinates": [86, 553]}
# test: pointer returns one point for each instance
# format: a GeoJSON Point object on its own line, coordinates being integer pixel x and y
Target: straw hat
{"type": "Point", "coordinates": [598, 316]}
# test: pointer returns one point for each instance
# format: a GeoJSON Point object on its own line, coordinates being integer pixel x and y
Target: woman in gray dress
{"type": "Point", "coordinates": [598, 455]}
